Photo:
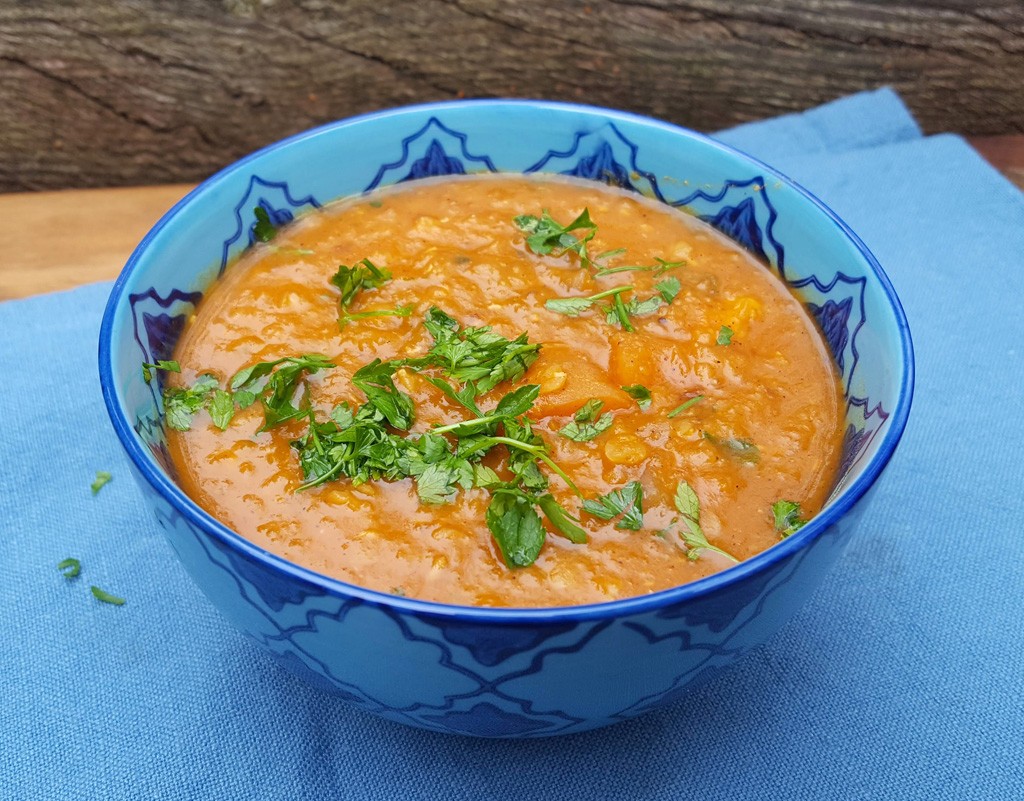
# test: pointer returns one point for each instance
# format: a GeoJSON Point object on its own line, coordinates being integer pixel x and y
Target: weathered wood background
{"type": "Point", "coordinates": [150, 91]}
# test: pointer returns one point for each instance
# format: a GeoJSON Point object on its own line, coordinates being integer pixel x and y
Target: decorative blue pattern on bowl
{"type": "Point", "coordinates": [501, 672]}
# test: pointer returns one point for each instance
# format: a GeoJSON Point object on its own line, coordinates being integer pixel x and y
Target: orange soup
{"type": "Point", "coordinates": [504, 391]}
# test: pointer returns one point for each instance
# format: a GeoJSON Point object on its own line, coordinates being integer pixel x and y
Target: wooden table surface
{"type": "Point", "coordinates": [64, 239]}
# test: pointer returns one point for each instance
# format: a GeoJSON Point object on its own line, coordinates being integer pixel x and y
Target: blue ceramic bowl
{"type": "Point", "coordinates": [508, 672]}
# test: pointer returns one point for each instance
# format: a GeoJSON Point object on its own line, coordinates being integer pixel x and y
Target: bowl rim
{"type": "Point", "coordinates": [736, 574]}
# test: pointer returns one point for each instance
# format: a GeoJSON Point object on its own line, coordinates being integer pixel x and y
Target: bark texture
{"type": "Point", "coordinates": [151, 91]}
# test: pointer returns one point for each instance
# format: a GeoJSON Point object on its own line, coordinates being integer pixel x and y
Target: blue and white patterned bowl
{"type": "Point", "coordinates": [508, 672]}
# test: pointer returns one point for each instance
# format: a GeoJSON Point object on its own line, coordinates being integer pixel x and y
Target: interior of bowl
{"type": "Point", "coordinates": [826, 265]}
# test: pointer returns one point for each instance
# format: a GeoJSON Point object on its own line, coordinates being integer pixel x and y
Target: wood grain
{"type": "Point", "coordinates": [76, 236]}
{"type": "Point", "coordinates": [145, 92]}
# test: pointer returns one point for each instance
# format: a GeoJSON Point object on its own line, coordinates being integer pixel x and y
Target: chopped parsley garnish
{"type": "Point", "coordinates": [627, 501]}
{"type": "Point", "coordinates": [166, 366]}
{"type": "Point", "coordinates": [742, 449]}
{"type": "Point", "coordinates": [586, 424]}
{"type": "Point", "coordinates": [516, 528]}
{"type": "Point", "coordinates": [546, 236]}
{"type": "Point", "coordinates": [639, 393]}
{"type": "Point", "coordinates": [399, 311]}
{"type": "Point", "coordinates": [682, 407]}
{"type": "Point", "coordinates": [102, 479]}
{"type": "Point", "coordinates": [181, 403]}
{"type": "Point", "coordinates": [692, 534]}
{"type": "Point", "coordinates": [563, 522]}
{"type": "Point", "coordinates": [376, 380]}
{"type": "Point", "coordinates": [636, 307]}
{"type": "Point", "coordinates": [574, 307]}
{"type": "Point", "coordinates": [618, 310]}
{"type": "Point", "coordinates": [725, 335]}
{"type": "Point", "coordinates": [787, 517]}
{"type": "Point", "coordinates": [361, 276]}
{"type": "Point", "coordinates": [106, 597]}
{"type": "Point", "coordinates": [659, 268]}
{"type": "Point", "coordinates": [276, 394]}
{"type": "Point", "coordinates": [263, 229]}
{"type": "Point", "coordinates": [364, 445]}
{"type": "Point", "coordinates": [669, 288]}
{"type": "Point", "coordinates": [70, 567]}
{"type": "Point", "coordinates": [476, 356]}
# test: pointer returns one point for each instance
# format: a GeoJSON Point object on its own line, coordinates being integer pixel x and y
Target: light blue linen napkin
{"type": "Point", "coordinates": [901, 679]}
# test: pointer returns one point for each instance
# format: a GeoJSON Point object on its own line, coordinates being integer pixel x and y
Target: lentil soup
{"type": "Point", "coordinates": [680, 413]}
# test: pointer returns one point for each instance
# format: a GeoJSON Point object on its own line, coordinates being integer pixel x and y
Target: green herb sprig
{"type": "Point", "coordinates": [787, 517]}
{"type": "Point", "coordinates": [586, 425]}
{"type": "Point", "coordinates": [546, 236]}
{"type": "Point", "coordinates": [692, 534]}
{"type": "Point", "coordinates": [276, 393]}
{"type": "Point", "coordinates": [263, 229]}
{"type": "Point", "coordinates": [627, 501]}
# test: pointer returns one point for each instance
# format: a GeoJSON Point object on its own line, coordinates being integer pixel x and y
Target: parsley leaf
{"type": "Point", "coordinates": [639, 393]}
{"type": "Point", "coordinates": [477, 355]}
{"type": "Point", "coordinates": [342, 416]}
{"type": "Point", "coordinates": [724, 335]}
{"type": "Point", "coordinates": [588, 411]}
{"type": "Point", "coordinates": [167, 366]}
{"type": "Point", "coordinates": [669, 288]}
{"type": "Point", "coordinates": [518, 402]}
{"type": "Point", "coordinates": [102, 479]}
{"type": "Point", "coordinates": [484, 476]}
{"type": "Point", "coordinates": [222, 408]}
{"type": "Point", "coordinates": [438, 483]}
{"type": "Point", "coordinates": [742, 449]}
{"type": "Point", "coordinates": [70, 567]}
{"type": "Point", "coordinates": [692, 534]}
{"type": "Point", "coordinates": [636, 308]}
{"type": "Point", "coordinates": [465, 396]}
{"type": "Point", "coordinates": [106, 597]}
{"type": "Point", "coordinates": [516, 527]}
{"type": "Point", "coordinates": [563, 522]}
{"type": "Point", "coordinates": [584, 432]}
{"type": "Point", "coordinates": [276, 394]}
{"type": "Point", "coordinates": [361, 276]}
{"type": "Point", "coordinates": [627, 501]}
{"type": "Point", "coordinates": [787, 517]}
{"type": "Point", "coordinates": [181, 403]}
{"type": "Point", "coordinates": [263, 229]}
{"type": "Point", "coordinates": [574, 307]}
{"type": "Point", "coordinates": [547, 236]}
{"type": "Point", "coordinates": [571, 307]}
{"type": "Point", "coordinates": [279, 391]}
{"type": "Point", "coordinates": [586, 425]}
{"type": "Point", "coordinates": [376, 380]}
